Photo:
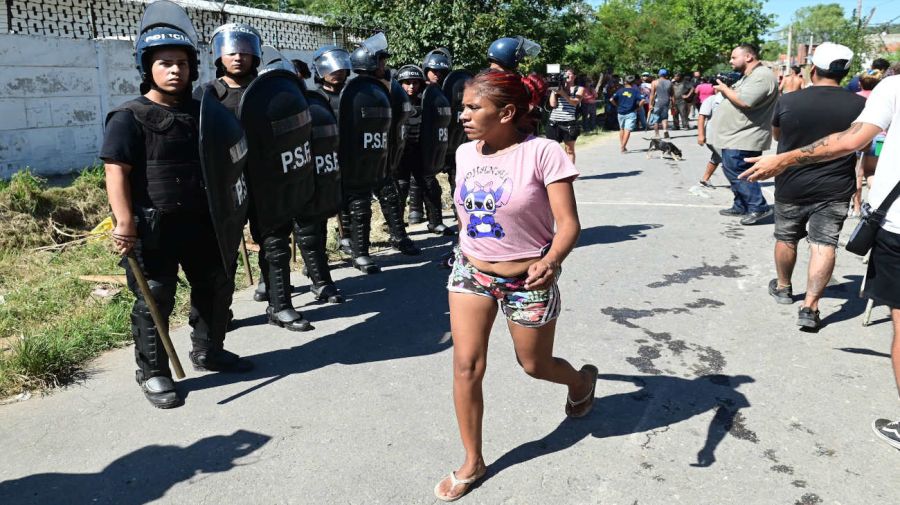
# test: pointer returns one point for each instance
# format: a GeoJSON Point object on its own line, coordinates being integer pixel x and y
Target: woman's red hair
{"type": "Point", "coordinates": [504, 88]}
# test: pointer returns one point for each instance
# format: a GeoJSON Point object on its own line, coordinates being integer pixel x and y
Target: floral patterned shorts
{"type": "Point", "coordinates": [532, 308]}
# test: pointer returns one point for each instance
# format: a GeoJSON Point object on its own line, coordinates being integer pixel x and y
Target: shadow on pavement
{"type": "Point", "coordinates": [611, 175]}
{"type": "Point", "coordinates": [853, 307]}
{"type": "Point", "coordinates": [611, 234]}
{"type": "Point", "coordinates": [137, 478]}
{"type": "Point", "coordinates": [662, 401]}
{"type": "Point", "coordinates": [406, 315]}
{"type": "Point", "coordinates": [861, 350]}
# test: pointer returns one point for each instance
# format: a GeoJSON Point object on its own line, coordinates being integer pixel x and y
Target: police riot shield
{"type": "Point", "coordinates": [326, 200]}
{"type": "Point", "coordinates": [279, 171]}
{"type": "Point", "coordinates": [453, 87]}
{"type": "Point", "coordinates": [169, 14]}
{"type": "Point", "coordinates": [223, 157]}
{"type": "Point", "coordinates": [364, 125]}
{"type": "Point", "coordinates": [434, 135]}
{"type": "Point", "coordinates": [401, 108]}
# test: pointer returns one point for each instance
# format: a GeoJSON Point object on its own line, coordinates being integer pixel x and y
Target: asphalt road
{"type": "Point", "coordinates": [708, 393]}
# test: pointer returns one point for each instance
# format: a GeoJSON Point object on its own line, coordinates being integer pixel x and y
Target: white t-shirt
{"type": "Point", "coordinates": [882, 109]}
{"type": "Point", "coordinates": [708, 109]}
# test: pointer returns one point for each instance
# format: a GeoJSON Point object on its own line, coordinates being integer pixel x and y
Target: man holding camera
{"type": "Point", "coordinates": [816, 196]}
{"type": "Point", "coordinates": [743, 130]}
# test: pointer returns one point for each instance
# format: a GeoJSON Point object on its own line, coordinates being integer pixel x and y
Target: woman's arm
{"type": "Point", "coordinates": [554, 102]}
{"type": "Point", "coordinates": [562, 203]}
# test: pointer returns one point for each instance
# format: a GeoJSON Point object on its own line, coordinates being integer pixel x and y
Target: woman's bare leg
{"type": "Point", "coordinates": [471, 318]}
{"type": "Point", "coordinates": [534, 350]}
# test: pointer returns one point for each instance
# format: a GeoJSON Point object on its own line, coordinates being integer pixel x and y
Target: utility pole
{"type": "Point", "coordinates": [790, 43]}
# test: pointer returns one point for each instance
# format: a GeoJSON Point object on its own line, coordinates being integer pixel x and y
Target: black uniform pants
{"type": "Point", "coordinates": [167, 241]}
{"type": "Point", "coordinates": [410, 169]}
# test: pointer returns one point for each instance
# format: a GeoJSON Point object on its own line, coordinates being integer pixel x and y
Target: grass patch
{"type": "Point", "coordinates": [52, 322]}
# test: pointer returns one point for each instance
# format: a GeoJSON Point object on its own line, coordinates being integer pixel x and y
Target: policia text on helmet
{"type": "Point", "coordinates": [237, 49]}
{"type": "Point", "coordinates": [156, 190]}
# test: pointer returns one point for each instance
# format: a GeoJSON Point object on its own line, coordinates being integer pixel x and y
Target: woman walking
{"type": "Point", "coordinates": [513, 190]}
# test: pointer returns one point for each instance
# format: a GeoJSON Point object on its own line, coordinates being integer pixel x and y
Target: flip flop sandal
{"type": "Point", "coordinates": [582, 407]}
{"type": "Point", "coordinates": [457, 482]}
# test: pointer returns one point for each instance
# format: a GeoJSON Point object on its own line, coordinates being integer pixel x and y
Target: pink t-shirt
{"type": "Point", "coordinates": [705, 91]}
{"type": "Point", "coordinates": [501, 199]}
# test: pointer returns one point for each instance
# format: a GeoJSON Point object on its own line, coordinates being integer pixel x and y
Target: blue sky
{"type": "Point", "coordinates": [885, 10]}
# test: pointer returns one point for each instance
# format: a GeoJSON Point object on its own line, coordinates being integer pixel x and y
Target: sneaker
{"type": "Point", "coordinates": [888, 431]}
{"type": "Point", "coordinates": [756, 217]}
{"type": "Point", "coordinates": [809, 318]}
{"type": "Point", "coordinates": [731, 212]}
{"type": "Point", "coordinates": [784, 296]}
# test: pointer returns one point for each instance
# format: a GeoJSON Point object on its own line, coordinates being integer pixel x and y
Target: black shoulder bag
{"type": "Point", "coordinates": [863, 237]}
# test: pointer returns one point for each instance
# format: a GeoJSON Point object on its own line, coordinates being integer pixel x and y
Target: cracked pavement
{"type": "Point", "coordinates": [708, 392]}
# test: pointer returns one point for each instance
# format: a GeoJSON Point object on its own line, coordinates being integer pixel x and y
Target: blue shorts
{"type": "Point", "coordinates": [657, 116]}
{"type": "Point", "coordinates": [628, 121]}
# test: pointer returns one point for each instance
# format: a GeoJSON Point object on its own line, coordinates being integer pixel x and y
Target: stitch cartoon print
{"type": "Point", "coordinates": [481, 202]}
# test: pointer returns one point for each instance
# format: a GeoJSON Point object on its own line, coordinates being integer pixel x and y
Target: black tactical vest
{"type": "Point", "coordinates": [171, 179]}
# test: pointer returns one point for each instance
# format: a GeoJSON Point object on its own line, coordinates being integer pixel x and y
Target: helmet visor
{"type": "Point", "coordinates": [530, 47]}
{"type": "Point", "coordinates": [234, 42]}
{"type": "Point", "coordinates": [376, 44]}
{"type": "Point", "coordinates": [332, 61]}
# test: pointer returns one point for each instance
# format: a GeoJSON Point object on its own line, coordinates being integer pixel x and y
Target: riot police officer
{"type": "Point", "coordinates": [437, 65]}
{"type": "Point", "coordinates": [237, 52]}
{"type": "Point", "coordinates": [507, 52]}
{"type": "Point", "coordinates": [237, 49]}
{"type": "Point", "coordinates": [155, 188]}
{"type": "Point", "coordinates": [331, 66]}
{"type": "Point", "coordinates": [371, 59]}
{"type": "Point", "coordinates": [410, 171]}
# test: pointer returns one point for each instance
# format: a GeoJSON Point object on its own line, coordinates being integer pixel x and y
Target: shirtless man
{"type": "Point", "coordinates": [791, 82]}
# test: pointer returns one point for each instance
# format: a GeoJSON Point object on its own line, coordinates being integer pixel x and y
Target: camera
{"type": "Point", "coordinates": [555, 78]}
{"type": "Point", "coordinates": [728, 78]}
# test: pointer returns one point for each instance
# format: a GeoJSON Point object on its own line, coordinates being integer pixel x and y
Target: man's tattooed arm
{"type": "Point", "coordinates": [827, 148]}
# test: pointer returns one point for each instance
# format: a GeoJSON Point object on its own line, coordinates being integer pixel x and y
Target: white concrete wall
{"type": "Point", "coordinates": [55, 94]}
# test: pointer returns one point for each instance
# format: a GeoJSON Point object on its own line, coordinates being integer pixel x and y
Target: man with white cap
{"type": "Point", "coordinates": [881, 112]}
{"type": "Point", "coordinates": [812, 201]}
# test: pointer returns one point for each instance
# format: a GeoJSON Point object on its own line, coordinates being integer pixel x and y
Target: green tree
{"type": "Point", "coordinates": [466, 27]}
{"type": "Point", "coordinates": [824, 22]}
{"type": "Point", "coordinates": [828, 23]}
{"type": "Point", "coordinates": [633, 35]}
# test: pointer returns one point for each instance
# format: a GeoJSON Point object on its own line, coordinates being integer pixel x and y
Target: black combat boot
{"type": "Point", "coordinates": [281, 310]}
{"type": "Point", "coordinates": [346, 231]}
{"type": "Point", "coordinates": [153, 374]}
{"type": "Point", "coordinates": [403, 196]}
{"type": "Point", "coordinates": [432, 198]}
{"type": "Point", "coordinates": [416, 213]}
{"type": "Point", "coordinates": [261, 294]}
{"type": "Point", "coordinates": [393, 216]}
{"type": "Point", "coordinates": [311, 239]}
{"type": "Point", "coordinates": [361, 214]}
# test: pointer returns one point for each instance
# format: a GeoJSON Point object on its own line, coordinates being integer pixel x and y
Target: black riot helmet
{"type": "Point", "coordinates": [410, 72]}
{"type": "Point", "coordinates": [508, 52]}
{"type": "Point", "coordinates": [164, 24]}
{"type": "Point", "coordinates": [438, 59]}
{"type": "Point", "coordinates": [365, 57]}
{"type": "Point", "coordinates": [233, 38]}
{"type": "Point", "coordinates": [328, 59]}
